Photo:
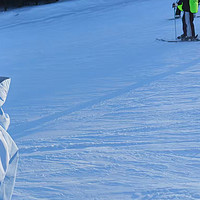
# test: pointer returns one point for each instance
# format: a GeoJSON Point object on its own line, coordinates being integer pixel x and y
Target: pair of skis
{"type": "Point", "coordinates": [196, 39]}
{"type": "Point", "coordinates": [178, 40]}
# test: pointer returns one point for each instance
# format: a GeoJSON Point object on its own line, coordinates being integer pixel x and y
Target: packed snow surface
{"type": "Point", "coordinates": [99, 109]}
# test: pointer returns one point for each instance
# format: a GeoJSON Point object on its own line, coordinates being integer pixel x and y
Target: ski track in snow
{"type": "Point", "coordinates": [36, 125]}
{"type": "Point", "coordinates": [142, 145]}
{"type": "Point", "coordinates": [82, 11]}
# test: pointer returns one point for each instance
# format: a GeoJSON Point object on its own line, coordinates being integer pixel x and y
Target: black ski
{"type": "Point", "coordinates": [178, 40]}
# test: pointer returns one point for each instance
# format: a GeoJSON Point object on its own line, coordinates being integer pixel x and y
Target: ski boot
{"type": "Point", "coordinates": [181, 37]}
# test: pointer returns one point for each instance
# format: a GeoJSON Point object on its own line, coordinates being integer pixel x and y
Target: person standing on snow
{"type": "Point", "coordinates": [189, 8]}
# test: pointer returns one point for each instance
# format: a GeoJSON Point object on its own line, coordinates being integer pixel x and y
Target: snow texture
{"type": "Point", "coordinates": [100, 109]}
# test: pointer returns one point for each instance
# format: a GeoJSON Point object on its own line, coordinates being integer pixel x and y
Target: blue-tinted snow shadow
{"type": "Point", "coordinates": [32, 126]}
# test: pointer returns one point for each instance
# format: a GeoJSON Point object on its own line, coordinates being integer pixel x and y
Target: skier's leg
{"type": "Point", "coordinates": [188, 24]}
{"type": "Point", "coordinates": [182, 37]}
{"type": "Point", "coordinates": [192, 24]}
{"type": "Point", "coordinates": [184, 25]}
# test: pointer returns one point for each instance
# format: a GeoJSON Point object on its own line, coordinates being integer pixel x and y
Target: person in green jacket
{"type": "Point", "coordinates": [189, 8]}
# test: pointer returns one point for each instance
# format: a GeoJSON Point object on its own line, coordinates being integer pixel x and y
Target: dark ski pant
{"type": "Point", "coordinates": [188, 24]}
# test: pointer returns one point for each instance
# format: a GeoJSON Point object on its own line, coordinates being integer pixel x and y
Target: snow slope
{"type": "Point", "coordinates": [100, 109]}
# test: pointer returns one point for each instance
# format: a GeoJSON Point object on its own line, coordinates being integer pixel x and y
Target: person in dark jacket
{"type": "Point", "coordinates": [189, 8]}
{"type": "Point", "coordinates": [178, 12]}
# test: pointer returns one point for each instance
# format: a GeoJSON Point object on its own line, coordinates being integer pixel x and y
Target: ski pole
{"type": "Point", "coordinates": [175, 22]}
